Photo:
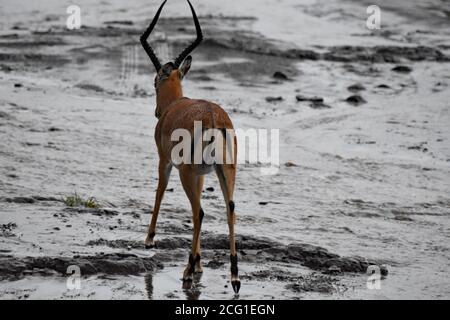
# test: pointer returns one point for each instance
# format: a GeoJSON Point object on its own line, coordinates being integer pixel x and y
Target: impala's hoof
{"type": "Point", "coordinates": [198, 269]}
{"type": "Point", "coordinates": [187, 283]}
{"type": "Point", "coordinates": [149, 243]}
{"type": "Point", "coordinates": [236, 284]}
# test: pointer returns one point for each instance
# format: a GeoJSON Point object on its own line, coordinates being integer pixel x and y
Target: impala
{"type": "Point", "coordinates": [174, 111]}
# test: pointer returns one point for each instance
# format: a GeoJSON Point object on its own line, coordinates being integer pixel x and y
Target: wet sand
{"type": "Point", "coordinates": [364, 151]}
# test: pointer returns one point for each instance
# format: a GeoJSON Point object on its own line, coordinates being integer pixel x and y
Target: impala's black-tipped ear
{"type": "Point", "coordinates": [185, 66]}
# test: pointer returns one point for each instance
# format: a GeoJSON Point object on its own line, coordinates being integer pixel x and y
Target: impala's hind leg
{"type": "Point", "coordinates": [191, 184]}
{"type": "Point", "coordinates": [198, 263]}
{"type": "Point", "coordinates": [163, 179]}
{"type": "Point", "coordinates": [227, 174]}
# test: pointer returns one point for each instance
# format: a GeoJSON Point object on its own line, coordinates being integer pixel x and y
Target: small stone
{"type": "Point", "coordinates": [356, 100]}
{"type": "Point", "coordinates": [384, 270]}
{"type": "Point", "coordinates": [319, 105]}
{"type": "Point", "coordinates": [280, 76]}
{"type": "Point", "coordinates": [210, 189]}
{"type": "Point", "coordinates": [300, 98]}
{"type": "Point", "coordinates": [356, 87]}
{"type": "Point", "coordinates": [274, 99]}
{"type": "Point", "coordinates": [402, 69]}
{"type": "Point", "coordinates": [290, 164]}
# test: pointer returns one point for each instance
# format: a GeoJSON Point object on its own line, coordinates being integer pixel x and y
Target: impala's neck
{"type": "Point", "coordinates": [170, 91]}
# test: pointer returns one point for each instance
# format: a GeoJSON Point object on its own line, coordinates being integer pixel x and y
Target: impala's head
{"type": "Point", "coordinates": [168, 76]}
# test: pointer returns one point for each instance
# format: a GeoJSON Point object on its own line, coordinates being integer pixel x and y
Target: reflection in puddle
{"type": "Point", "coordinates": [164, 285]}
{"type": "Point", "coordinates": [149, 285]}
{"type": "Point", "coordinates": [194, 292]}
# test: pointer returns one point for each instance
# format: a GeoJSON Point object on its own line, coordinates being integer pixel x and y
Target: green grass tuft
{"type": "Point", "coordinates": [76, 201]}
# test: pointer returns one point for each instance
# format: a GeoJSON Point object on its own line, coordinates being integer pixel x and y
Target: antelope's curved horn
{"type": "Point", "coordinates": [151, 54]}
{"type": "Point", "coordinates": [193, 45]}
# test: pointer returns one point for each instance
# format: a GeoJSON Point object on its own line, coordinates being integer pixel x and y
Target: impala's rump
{"type": "Point", "coordinates": [205, 130]}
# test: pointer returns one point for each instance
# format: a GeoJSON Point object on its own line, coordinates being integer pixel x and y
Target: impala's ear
{"type": "Point", "coordinates": [185, 66]}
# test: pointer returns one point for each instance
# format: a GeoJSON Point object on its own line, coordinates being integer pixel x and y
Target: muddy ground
{"type": "Point", "coordinates": [364, 176]}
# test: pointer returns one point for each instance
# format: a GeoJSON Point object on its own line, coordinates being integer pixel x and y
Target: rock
{"type": "Point", "coordinates": [402, 69]}
{"type": "Point", "coordinates": [300, 98]}
{"type": "Point", "coordinates": [210, 189]}
{"type": "Point", "coordinates": [274, 99]}
{"type": "Point", "coordinates": [280, 76]}
{"type": "Point", "coordinates": [356, 87]}
{"type": "Point", "coordinates": [319, 105]}
{"type": "Point", "coordinates": [384, 270]}
{"type": "Point", "coordinates": [290, 164]}
{"type": "Point", "coordinates": [355, 100]}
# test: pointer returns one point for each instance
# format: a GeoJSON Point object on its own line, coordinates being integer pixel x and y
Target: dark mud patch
{"type": "Point", "coordinates": [29, 200]}
{"type": "Point", "coordinates": [93, 211]}
{"type": "Point", "coordinates": [31, 59]}
{"type": "Point", "coordinates": [257, 250]}
{"type": "Point", "coordinates": [314, 282]}
{"type": "Point", "coordinates": [382, 54]}
{"type": "Point", "coordinates": [319, 105]}
{"type": "Point", "coordinates": [6, 230]}
{"type": "Point", "coordinates": [12, 268]}
{"type": "Point", "coordinates": [137, 92]}
{"type": "Point", "coordinates": [363, 208]}
{"type": "Point", "coordinates": [258, 44]}
{"type": "Point", "coordinates": [316, 258]}
{"type": "Point", "coordinates": [208, 241]}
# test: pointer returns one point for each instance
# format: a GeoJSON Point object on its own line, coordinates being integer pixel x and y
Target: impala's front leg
{"type": "Point", "coordinates": [164, 170]}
